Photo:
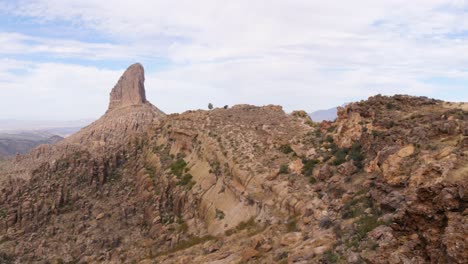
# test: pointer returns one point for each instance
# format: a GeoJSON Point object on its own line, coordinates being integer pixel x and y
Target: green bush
{"type": "Point", "coordinates": [356, 207]}
{"type": "Point", "coordinates": [186, 180]}
{"type": "Point", "coordinates": [3, 213]}
{"type": "Point", "coordinates": [286, 149]}
{"type": "Point", "coordinates": [340, 157]}
{"type": "Point", "coordinates": [292, 225]}
{"type": "Point", "coordinates": [366, 224]}
{"type": "Point", "coordinates": [355, 154]}
{"type": "Point", "coordinates": [177, 168]}
{"type": "Point", "coordinates": [308, 167]}
{"type": "Point", "coordinates": [284, 169]}
{"type": "Point", "coordinates": [219, 214]}
{"type": "Point", "coordinates": [330, 257]}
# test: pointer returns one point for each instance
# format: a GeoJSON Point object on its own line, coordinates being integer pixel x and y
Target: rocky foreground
{"type": "Point", "coordinates": [385, 183]}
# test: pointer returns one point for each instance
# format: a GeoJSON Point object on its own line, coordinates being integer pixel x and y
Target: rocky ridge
{"type": "Point", "coordinates": [384, 183]}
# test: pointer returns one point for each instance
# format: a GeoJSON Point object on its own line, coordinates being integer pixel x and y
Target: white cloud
{"type": "Point", "coordinates": [298, 53]}
{"type": "Point", "coordinates": [55, 91]}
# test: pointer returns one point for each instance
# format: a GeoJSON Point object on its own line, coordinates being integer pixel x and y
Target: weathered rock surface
{"type": "Point", "coordinates": [130, 89]}
{"type": "Point", "coordinates": [385, 183]}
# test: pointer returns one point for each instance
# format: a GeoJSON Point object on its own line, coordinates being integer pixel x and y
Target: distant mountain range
{"type": "Point", "coordinates": [22, 142]}
{"type": "Point", "coordinates": [18, 136]}
{"type": "Point", "coordinates": [63, 128]}
{"type": "Point", "coordinates": [321, 115]}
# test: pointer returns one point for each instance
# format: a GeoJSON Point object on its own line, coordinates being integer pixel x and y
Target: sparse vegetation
{"type": "Point", "coordinates": [3, 213]}
{"type": "Point", "coordinates": [247, 225]}
{"type": "Point", "coordinates": [284, 169]}
{"type": "Point", "coordinates": [210, 106]}
{"type": "Point", "coordinates": [365, 224]}
{"type": "Point", "coordinates": [291, 226]}
{"type": "Point", "coordinates": [178, 167]}
{"type": "Point", "coordinates": [355, 154]}
{"type": "Point", "coordinates": [286, 149]}
{"type": "Point", "coordinates": [187, 181]}
{"type": "Point", "coordinates": [325, 222]}
{"type": "Point", "coordinates": [308, 167]}
{"type": "Point", "coordinates": [188, 244]}
{"type": "Point", "coordinates": [340, 157]}
{"type": "Point", "coordinates": [183, 227]}
{"type": "Point", "coordinates": [376, 133]}
{"type": "Point", "coordinates": [356, 207]}
{"type": "Point", "coordinates": [219, 214]}
{"type": "Point", "coordinates": [215, 168]}
{"type": "Point", "coordinates": [330, 257]}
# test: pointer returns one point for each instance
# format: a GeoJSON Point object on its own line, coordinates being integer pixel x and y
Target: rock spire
{"type": "Point", "coordinates": [130, 89]}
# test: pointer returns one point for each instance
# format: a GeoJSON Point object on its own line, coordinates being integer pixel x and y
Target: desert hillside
{"type": "Point", "coordinates": [384, 183]}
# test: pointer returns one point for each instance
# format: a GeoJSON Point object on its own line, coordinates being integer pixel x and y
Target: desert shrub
{"type": "Point", "coordinates": [215, 168]}
{"type": "Point", "coordinates": [376, 133]}
{"type": "Point", "coordinates": [182, 226]}
{"type": "Point", "coordinates": [325, 222]}
{"type": "Point", "coordinates": [247, 225]}
{"type": "Point", "coordinates": [185, 180]}
{"type": "Point", "coordinates": [340, 157]}
{"type": "Point", "coordinates": [373, 245]}
{"type": "Point", "coordinates": [284, 169]}
{"type": "Point", "coordinates": [312, 180]}
{"type": "Point", "coordinates": [330, 257]}
{"type": "Point", "coordinates": [210, 106]}
{"type": "Point", "coordinates": [355, 154]}
{"type": "Point", "coordinates": [286, 149]}
{"type": "Point", "coordinates": [282, 256]}
{"type": "Point", "coordinates": [177, 168]}
{"type": "Point", "coordinates": [3, 213]}
{"type": "Point", "coordinates": [356, 207]}
{"type": "Point", "coordinates": [333, 147]}
{"type": "Point", "coordinates": [189, 243]}
{"type": "Point", "coordinates": [365, 224]}
{"type": "Point", "coordinates": [329, 139]}
{"type": "Point", "coordinates": [291, 226]}
{"type": "Point", "coordinates": [219, 214]}
{"type": "Point", "coordinates": [308, 167]}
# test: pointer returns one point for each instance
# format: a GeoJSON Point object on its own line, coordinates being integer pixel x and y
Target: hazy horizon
{"type": "Point", "coordinates": [60, 60]}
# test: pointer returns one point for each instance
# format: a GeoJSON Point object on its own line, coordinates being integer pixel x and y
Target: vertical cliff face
{"type": "Point", "coordinates": [130, 89]}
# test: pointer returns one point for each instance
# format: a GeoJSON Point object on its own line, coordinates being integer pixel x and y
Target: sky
{"type": "Point", "coordinates": [60, 59]}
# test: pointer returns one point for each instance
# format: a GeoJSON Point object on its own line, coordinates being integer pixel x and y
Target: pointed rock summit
{"type": "Point", "coordinates": [130, 89]}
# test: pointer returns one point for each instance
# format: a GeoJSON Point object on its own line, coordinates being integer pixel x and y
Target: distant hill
{"type": "Point", "coordinates": [67, 127]}
{"type": "Point", "coordinates": [321, 115]}
{"type": "Point", "coordinates": [19, 136]}
{"type": "Point", "coordinates": [22, 142]}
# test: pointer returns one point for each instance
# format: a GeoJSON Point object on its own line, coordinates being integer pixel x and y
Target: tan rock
{"type": "Point", "coordinates": [249, 253]}
{"type": "Point", "coordinates": [130, 89]}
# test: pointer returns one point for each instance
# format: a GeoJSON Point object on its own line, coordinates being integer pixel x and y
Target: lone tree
{"type": "Point", "coordinates": [210, 106]}
{"type": "Point", "coordinates": [226, 107]}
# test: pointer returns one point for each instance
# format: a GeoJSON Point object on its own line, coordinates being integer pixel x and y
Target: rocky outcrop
{"type": "Point", "coordinates": [130, 89]}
